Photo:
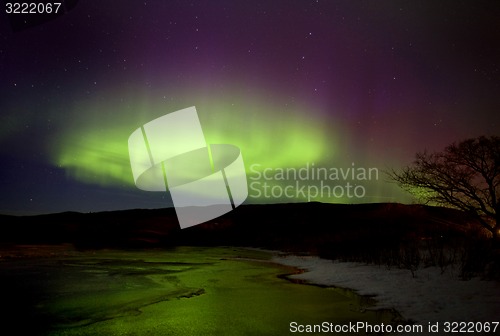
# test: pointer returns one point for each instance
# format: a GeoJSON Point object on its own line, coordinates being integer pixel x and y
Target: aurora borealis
{"type": "Point", "coordinates": [291, 83]}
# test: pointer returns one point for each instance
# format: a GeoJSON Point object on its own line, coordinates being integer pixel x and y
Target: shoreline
{"type": "Point", "coordinates": [430, 296]}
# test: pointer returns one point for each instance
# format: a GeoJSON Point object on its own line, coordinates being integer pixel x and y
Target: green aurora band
{"type": "Point", "coordinates": [93, 149]}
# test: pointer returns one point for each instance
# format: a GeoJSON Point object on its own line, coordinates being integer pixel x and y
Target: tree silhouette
{"type": "Point", "coordinates": [465, 176]}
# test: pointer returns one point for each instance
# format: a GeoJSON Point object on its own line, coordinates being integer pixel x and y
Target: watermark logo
{"type": "Point", "coordinates": [310, 183]}
{"type": "Point", "coordinates": [170, 153]}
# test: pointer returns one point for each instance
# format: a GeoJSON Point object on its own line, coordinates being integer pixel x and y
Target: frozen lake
{"type": "Point", "coordinates": [183, 291]}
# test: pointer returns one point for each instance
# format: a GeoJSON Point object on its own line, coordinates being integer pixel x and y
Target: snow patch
{"type": "Point", "coordinates": [430, 296]}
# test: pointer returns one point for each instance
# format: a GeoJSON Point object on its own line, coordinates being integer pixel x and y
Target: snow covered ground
{"type": "Point", "coordinates": [428, 297]}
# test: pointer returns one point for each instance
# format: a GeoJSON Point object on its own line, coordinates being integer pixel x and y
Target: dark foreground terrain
{"type": "Point", "coordinates": [385, 233]}
{"type": "Point", "coordinates": [136, 272]}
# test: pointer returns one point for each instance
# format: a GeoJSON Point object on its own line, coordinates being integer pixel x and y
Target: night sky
{"type": "Point", "coordinates": [291, 83]}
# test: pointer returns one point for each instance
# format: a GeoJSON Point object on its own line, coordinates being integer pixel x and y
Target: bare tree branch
{"type": "Point", "coordinates": [465, 176]}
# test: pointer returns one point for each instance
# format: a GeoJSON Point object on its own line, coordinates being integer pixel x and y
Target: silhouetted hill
{"type": "Point", "coordinates": [124, 228]}
{"type": "Point", "coordinates": [318, 227]}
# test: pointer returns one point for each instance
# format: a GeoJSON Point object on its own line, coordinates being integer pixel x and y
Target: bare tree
{"type": "Point", "coordinates": [465, 176]}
